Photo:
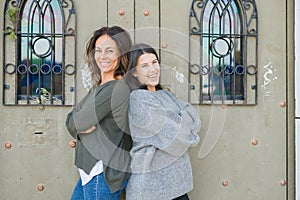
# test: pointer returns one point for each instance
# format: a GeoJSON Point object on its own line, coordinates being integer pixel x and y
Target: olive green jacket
{"type": "Point", "coordinates": [106, 107]}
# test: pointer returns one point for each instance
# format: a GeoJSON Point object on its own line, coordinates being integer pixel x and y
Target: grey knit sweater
{"type": "Point", "coordinates": [162, 129]}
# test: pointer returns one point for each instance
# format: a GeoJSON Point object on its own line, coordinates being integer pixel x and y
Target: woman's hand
{"type": "Point", "coordinates": [89, 130]}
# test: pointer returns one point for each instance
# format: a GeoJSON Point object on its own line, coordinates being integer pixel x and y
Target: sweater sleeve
{"type": "Point", "coordinates": [90, 110]}
{"type": "Point", "coordinates": [160, 123]}
{"type": "Point", "coordinates": [187, 134]}
{"type": "Point", "coordinates": [69, 120]}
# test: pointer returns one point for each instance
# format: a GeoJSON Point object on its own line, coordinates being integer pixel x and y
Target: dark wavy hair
{"type": "Point", "coordinates": [135, 52]}
{"type": "Point", "coordinates": [124, 43]}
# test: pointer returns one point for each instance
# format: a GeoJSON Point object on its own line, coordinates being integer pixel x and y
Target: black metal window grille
{"type": "Point", "coordinates": [223, 52]}
{"type": "Point", "coordinates": [42, 32]}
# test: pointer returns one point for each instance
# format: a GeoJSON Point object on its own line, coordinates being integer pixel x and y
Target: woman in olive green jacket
{"type": "Point", "coordinates": [99, 121]}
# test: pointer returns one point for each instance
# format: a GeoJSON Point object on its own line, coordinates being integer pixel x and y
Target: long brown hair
{"type": "Point", "coordinates": [124, 43]}
{"type": "Point", "coordinates": [135, 52]}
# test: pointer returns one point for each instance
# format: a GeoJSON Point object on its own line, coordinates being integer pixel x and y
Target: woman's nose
{"type": "Point", "coordinates": [153, 67]}
{"type": "Point", "coordinates": [103, 55]}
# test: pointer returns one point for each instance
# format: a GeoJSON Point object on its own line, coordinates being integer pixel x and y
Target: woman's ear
{"type": "Point", "coordinates": [134, 74]}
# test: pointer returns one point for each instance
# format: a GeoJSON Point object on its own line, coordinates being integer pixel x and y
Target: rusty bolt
{"type": "Point", "coordinates": [225, 183]}
{"type": "Point", "coordinates": [7, 145]}
{"type": "Point", "coordinates": [254, 142]}
{"type": "Point", "coordinates": [283, 182]}
{"type": "Point", "coordinates": [121, 12]}
{"type": "Point", "coordinates": [40, 187]}
{"type": "Point", "coordinates": [146, 12]}
{"type": "Point", "coordinates": [72, 144]}
{"type": "Point", "coordinates": [282, 104]}
{"type": "Point", "coordinates": [164, 45]}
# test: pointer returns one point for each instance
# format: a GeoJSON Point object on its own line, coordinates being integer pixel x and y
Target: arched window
{"type": "Point", "coordinates": [39, 52]}
{"type": "Point", "coordinates": [223, 52]}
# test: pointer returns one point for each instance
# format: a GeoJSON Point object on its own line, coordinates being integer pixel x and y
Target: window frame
{"type": "Point", "coordinates": [11, 63]}
{"type": "Point", "coordinates": [200, 72]}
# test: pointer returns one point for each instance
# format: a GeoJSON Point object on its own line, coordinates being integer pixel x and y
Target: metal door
{"type": "Point", "coordinates": [243, 153]}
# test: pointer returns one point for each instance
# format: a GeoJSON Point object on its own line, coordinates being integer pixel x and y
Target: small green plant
{"type": "Point", "coordinates": [44, 95]}
{"type": "Point", "coordinates": [11, 13]}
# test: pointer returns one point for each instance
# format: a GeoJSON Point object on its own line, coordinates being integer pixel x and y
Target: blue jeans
{"type": "Point", "coordinates": [96, 189]}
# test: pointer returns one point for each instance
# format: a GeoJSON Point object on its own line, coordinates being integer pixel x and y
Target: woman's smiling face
{"type": "Point", "coordinates": [148, 70]}
{"type": "Point", "coordinates": [106, 54]}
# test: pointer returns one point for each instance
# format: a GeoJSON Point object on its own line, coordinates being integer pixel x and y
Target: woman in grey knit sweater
{"type": "Point", "coordinates": [162, 129]}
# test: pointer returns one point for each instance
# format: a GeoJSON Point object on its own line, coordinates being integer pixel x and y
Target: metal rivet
{"type": "Point", "coordinates": [72, 144]}
{"type": "Point", "coordinates": [40, 187]}
{"type": "Point", "coordinates": [121, 12]}
{"type": "Point", "coordinates": [146, 12]}
{"type": "Point", "coordinates": [282, 104]}
{"type": "Point", "coordinates": [225, 183]}
{"type": "Point", "coordinates": [164, 45]}
{"type": "Point", "coordinates": [254, 142]}
{"type": "Point", "coordinates": [283, 182]}
{"type": "Point", "coordinates": [7, 145]}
